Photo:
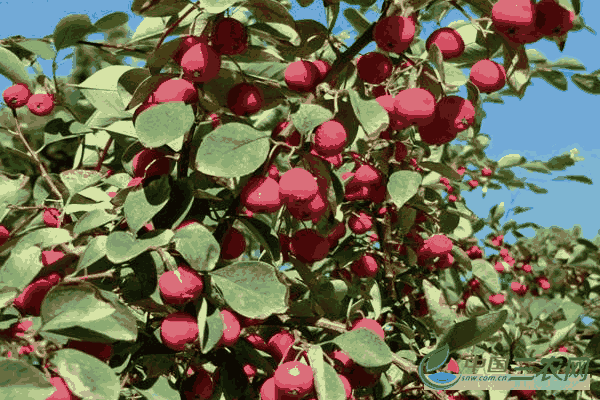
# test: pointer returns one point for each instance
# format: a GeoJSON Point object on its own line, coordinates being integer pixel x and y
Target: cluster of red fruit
{"type": "Point", "coordinates": [19, 95]}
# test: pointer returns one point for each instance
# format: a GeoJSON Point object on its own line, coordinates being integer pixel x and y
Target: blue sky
{"type": "Point", "coordinates": [545, 123]}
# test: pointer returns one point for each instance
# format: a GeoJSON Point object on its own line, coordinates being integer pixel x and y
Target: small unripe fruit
{"type": "Point", "coordinates": [302, 76]}
{"type": "Point", "coordinates": [62, 390]}
{"type": "Point", "coordinates": [41, 104]}
{"type": "Point", "coordinates": [369, 324]}
{"type": "Point", "coordinates": [360, 223]}
{"type": "Point", "coordinates": [178, 329]}
{"type": "Point", "coordinates": [16, 96]}
{"type": "Point", "coordinates": [174, 90]}
{"type": "Point", "coordinates": [394, 33]}
{"type": "Point", "coordinates": [30, 300]}
{"type": "Point", "coordinates": [102, 351]}
{"type": "Point", "coordinates": [231, 329]}
{"type": "Point", "coordinates": [230, 37]}
{"type": "Point", "coordinates": [261, 194]}
{"type": "Point", "coordinates": [309, 246]}
{"type": "Point", "coordinates": [233, 244]}
{"type": "Point", "coordinates": [245, 99]}
{"type": "Point", "coordinates": [181, 286]}
{"type": "Point", "coordinates": [150, 162]}
{"type": "Point", "coordinates": [488, 76]}
{"type": "Point", "coordinates": [449, 41]}
{"type": "Point", "coordinates": [297, 184]}
{"type": "Point", "coordinates": [200, 63]}
{"type": "Point", "coordinates": [200, 387]}
{"type": "Point", "coordinates": [330, 138]}
{"type": "Point", "coordinates": [374, 67]}
{"type": "Point", "coordinates": [365, 267]}
{"type": "Point", "coordinates": [279, 343]}
{"type": "Point", "coordinates": [293, 378]}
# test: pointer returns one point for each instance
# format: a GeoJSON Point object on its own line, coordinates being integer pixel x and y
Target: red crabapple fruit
{"type": "Point", "coordinates": [365, 267]}
{"type": "Point", "coordinates": [293, 378]}
{"type": "Point", "coordinates": [181, 286]}
{"type": "Point", "coordinates": [200, 387]}
{"type": "Point", "coordinates": [51, 218]}
{"type": "Point", "coordinates": [456, 113]}
{"type": "Point", "coordinates": [449, 41]}
{"type": "Point", "coordinates": [473, 183]}
{"type": "Point", "coordinates": [388, 103]}
{"type": "Point", "coordinates": [150, 162]}
{"type": "Point", "coordinates": [343, 363]}
{"type": "Point", "coordinates": [297, 184]}
{"type": "Point", "coordinates": [231, 329]}
{"type": "Point", "coordinates": [258, 342]}
{"type": "Point", "coordinates": [369, 324]}
{"type": "Point", "coordinates": [186, 43]}
{"type": "Point", "coordinates": [41, 104]}
{"type": "Point", "coordinates": [230, 37]}
{"type": "Point", "coordinates": [302, 76]}
{"type": "Point", "coordinates": [486, 172]}
{"type": "Point", "coordinates": [311, 209]}
{"type": "Point", "coordinates": [245, 99]}
{"type": "Point", "coordinates": [347, 386]}
{"type": "Point", "coordinates": [30, 300]}
{"type": "Point", "coordinates": [552, 19]}
{"type": "Point", "coordinates": [496, 299]}
{"type": "Point", "coordinates": [200, 63]}
{"type": "Point", "coordinates": [324, 67]}
{"type": "Point", "coordinates": [360, 223]}
{"type": "Point", "coordinates": [309, 246]}
{"type": "Point", "coordinates": [293, 139]}
{"type": "Point", "coordinates": [438, 245]}
{"type": "Point", "coordinates": [513, 17]}
{"type": "Point", "coordinates": [330, 138]}
{"type": "Point", "coordinates": [233, 244]}
{"type": "Point", "coordinates": [374, 67]}
{"type": "Point", "coordinates": [178, 329]}
{"type": "Point", "coordinates": [279, 344]}
{"type": "Point", "coordinates": [394, 33]}
{"type": "Point", "coordinates": [62, 390]}
{"type": "Point", "coordinates": [261, 195]}
{"type": "Point", "coordinates": [488, 76]}
{"type": "Point", "coordinates": [415, 106]}
{"type": "Point", "coordinates": [268, 390]}
{"type": "Point", "coordinates": [174, 90]}
{"type": "Point", "coordinates": [16, 96]}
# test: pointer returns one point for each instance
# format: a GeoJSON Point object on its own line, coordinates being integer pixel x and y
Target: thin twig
{"type": "Point", "coordinates": [103, 155]}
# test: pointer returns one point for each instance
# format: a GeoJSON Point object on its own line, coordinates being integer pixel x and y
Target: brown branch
{"type": "Point", "coordinates": [103, 155]}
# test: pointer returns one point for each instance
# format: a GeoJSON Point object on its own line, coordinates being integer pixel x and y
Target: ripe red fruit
{"type": "Point", "coordinates": [230, 37]}
{"type": "Point", "coordinates": [374, 67]}
{"type": "Point", "coordinates": [51, 218]}
{"type": "Point", "coordinates": [449, 41]}
{"type": "Point", "coordinates": [394, 33]}
{"type": "Point", "coordinates": [488, 76]}
{"type": "Point", "coordinates": [368, 175]}
{"type": "Point", "coordinates": [261, 194]}
{"type": "Point", "coordinates": [102, 351]}
{"type": "Point", "coordinates": [297, 184]}
{"type": "Point", "coordinates": [452, 198]}
{"type": "Point", "coordinates": [258, 342]}
{"type": "Point", "coordinates": [518, 288]}
{"type": "Point", "coordinates": [181, 286]}
{"type": "Point", "coordinates": [62, 390]}
{"type": "Point", "coordinates": [330, 138]}
{"type": "Point", "coordinates": [543, 282]}
{"type": "Point", "coordinates": [552, 19]}
{"type": "Point", "coordinates": [347, 386]}
{"type": "Point", "coordinates": [279, 343]}
{"type": "Point", "coordinates": [361, 378]}
{"type": "Point", "coordinates": [365, 267]}
{"type": "Point", "coordinates": [150, 162]}
{"type": "Point", "coordinates": [456, 113]}
{"type": "Point", "coordinates": [293, 378]}
{"type": "Point", "coordinates": [523, 394]}
{"type": "Point", "coordinates": [41, 104]}
{"type": "Point", "coordinates": [186, 44]}
{"type": "Point", "coordinates": [245, 99]}
{"type": "Point", "coordinates": [51, 256]}
{"type": "Point", "coordinates": [199, 387]}
{"type": "Point", "coordinates": [486, 172]}
{"type": "Point", "coordinates": [311, 209]}
{"type": "Point", "coordinates": [4, 234]}
{"type": "Point", "coordinates": [436, 133]}
{"type": "Point", "coordinates": [342, 363]}
{"type": "Point", "coordinates": [30, 300]}
{"type": "Point", "coordinates": [233, 244]}
{"type": "Point", "coordinates": [200, 63]}
{"type": "Point", "coordinates": [293, 139]}
{"type": "Point", "coordinates": [473, 183]}
{"type": "Point", "coordinates": [438, 245]}
{"type": "Point", "coordinates": [513, 17]}
{"type": "Point", "coordinates": [309, 246]}
{"type": "Point", "coordinates": [400, 152]}
{"type": "Point", "coordinates": [526, 268]}
{"type": "Point", "coordinates": [324, 67]}
{"type": "Point", "coordinates": [337, 233]}
{"type": "Point", "coordinates": [16, 96]}
{"type": "Point", "coordinates": [174, 90]}
{"type": "Point", "coordinates": [360, 223]}
{"type": "Point", "coordinates": [302, 76]}
{"type": "Point", "coordinates": [268, 391]}
{"type": "Point", "coordinates": [415, 106]}
{"type": "Point", "coordinates": [178, 329]}
{"type": "Point", "coordinates": [369, 324]}
{"type": "Point", "coordinates": [231, 329]}
{"type": "Point", "coordinates": [497, 299]}
{"type": "Point", "coordinates": [388, 103]}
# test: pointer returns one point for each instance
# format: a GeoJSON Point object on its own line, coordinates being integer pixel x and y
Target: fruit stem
{"type": "Point", "coordinates": [103, 154]}
{"type": "Point", "coordinates": [35, 157]}
{"type": "Point", "coordinates": [100, 275]}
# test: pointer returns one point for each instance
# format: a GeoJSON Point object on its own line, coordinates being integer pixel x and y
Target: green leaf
{"type": "Point", "coordinates": [496, 212]}
{"type": "Point", "coordinates": [161, 390]}
{"type": "Point", "coordinates": [21, 267]}
{"type": "Point", "coordinates": [251, 288]}
{"type": "Point", "coordinates": [309, 116]}
{"type": "Point", "coordinates": [454, 76]}
{"type": "Point", "coordinates": [111, 21]}
{"type": "Point", "coordinates": [535, 56]}
{"type": "Point", "coordinates": [270, 11]}
{"type": "Point", "coordinates": [14, 192]}
{"type": "Point", "coordinates": [86, 376]}
{"type": "Point", "coordinates": [210, 327]}
{"type": "Point", "coordinates": [92, 220]}
{"type": "Point", "coordinates": [262, 232]}
{"type": "Point", "coordinates": [560, 163]}
{"type": "Point", "coordinates": [77, 179]}
{"type": "Point", "coordinates": [434, 55]}
{"type": "Point", "coordinates": [511, 160]}
{"type": "Point", "coordinates": [164, 123]}
{"type": "Point", "coordinates": [21, 380]}
{"type": "Point", "coordinates": [365, 348]}
{"type": "Point", "coordinates": [71, 29]}
{"type": "Point", "coordinates": [122, 246]}
{"type": "Point", "coordinates": [162, 8]}
{"type": "Point", "coordinates": [403, 185]}
{"type": "Point", "coordinates": [587, 82]}
{"type": "Point", "coordinates": [217, 6]}
{"type": "Point", "coordinates": [536, 188]}
{"type": "Point", "coordinates": [576, 178]}
{"type": "Point", "coordinates": [486, 273]}
{"type": "Point", "coordinates": [440, 313]}
{"type": "Point", "coordinates": [94, 251]}
{"type": "Point", "coordinates": [12, 68]}
{"type": "Point", "coordinates": [555, 78]}
{"type": "Point", "coordinates": [44, 237]}
{"type": "Point", "coordinates": [568, 63]}
{"type": "Point", "coordinates": [536, 166]}
{"type": "Point", "coordinates": [232, 150]}
{"type": "Point", "coordinates": [197, 246]}
{"type": "Point", "coordinates": [373, 118]}
{"type": "Point", "coordinates": [441, 169]}
{"type": "Point", "coordinates": [437, 358]}
{"type": "Point", "coordinates": [327, 382]}
{"type": "Point", "coordinates": [467, 333]}
{"type": "Point", "coordinates": [143, 203]}
{"type": "Point", "coordinates": [40, 48]}
{"type": "Point", "coordinates": [305, 3]}
{"type": "Point", "coordinates": [358, 21]}
{"type": "Point", "coordinates": [101, 89]}
{"type": "Point", "coordinates": [519, 209]}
